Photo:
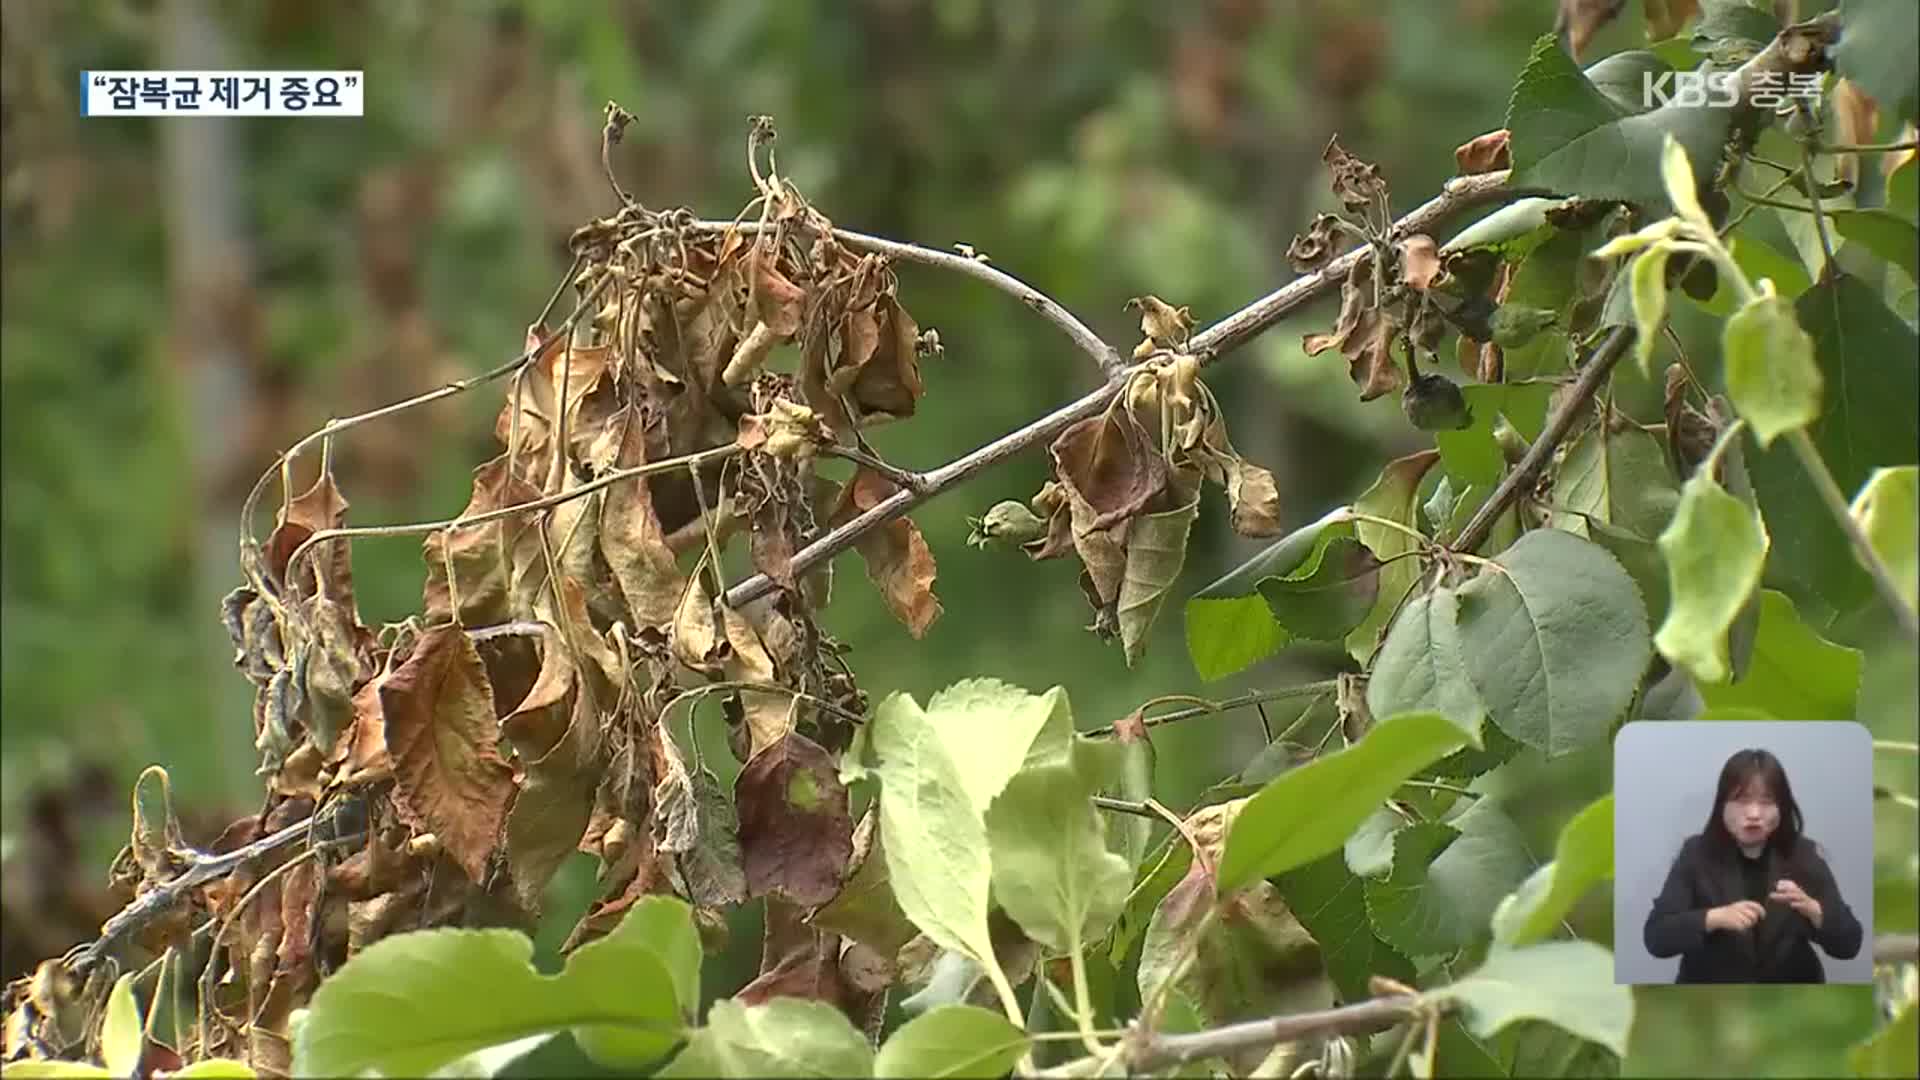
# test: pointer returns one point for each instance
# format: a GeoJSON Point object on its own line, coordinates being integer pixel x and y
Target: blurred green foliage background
{"type": "Point", "coordinates": [183, 299]}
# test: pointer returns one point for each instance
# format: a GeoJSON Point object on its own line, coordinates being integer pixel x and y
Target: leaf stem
{"type": "Point", "coordinates": [1896, 746]}
{"type": "Point", "coordinates": [1082, 1000]}
{"type": "Point", "coordinates": [1438, 785]}
{"type": "Point", "coordinates": [1836, 501]}
{"type": "Point", "coordinates": [1872, 148]}
{"type": "Point", "coordinates": [1387, 523]}
{"type": "Point", "coordinates": [1210, 708]}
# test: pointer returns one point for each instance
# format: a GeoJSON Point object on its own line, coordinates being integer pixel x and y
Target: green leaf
{"type": "Point", "coordinates": [1891, 1051]}
{"type": "Point", "coordinates": [1369, 851]}
{"type": "Point", "coordinates": [1870, 363]}
{"type": "Point", "coordinates": [1447, 880]}
{"type": "Point", "coordinates": [1770, 372]}
{"type": "Point", "coordinates": [1052, 871]}
{"type": "Point", "coordinates": [1555, 640]}
{"type": "Point", "coordinates": [627, 997]}
{"type": "Point", "coordinates": [1878, 41]}
{"type": "Point", "coordinates": [1715, 548]}
{"type": "Point", "coordinates": [952, 1041]}
{"type": "Point", "coordinates": [1395, 496]}
{"type": "Point", "coordinates": [1728, 22]}
{"type": "Point", "coordinates": [1888, 510]}
{"type": "Point", "coordinates": [1156, 549]}
{"type": "Point", "coordinates": [990, 728]}
{"type": "Point", "coordinates": [1570, 138]}
{"type": "Point", "coordinates": [1512, 230]}
{"type": "Point", "coordinates": [1621, 77]}
{"type": "Point", "coordinates": [780, 1037]}
{"type": "Point", "coordinates": [1795, 674]}
{"type": "Point", "coordinates": [1470, 454]}
{"type": "Point", "coordinates": [1676, 176]}
{"type": "Point", "coordinates": [1567, 983]}
{"type": "Point", "coordinates": [1618, 477]}
{"type": "Point", "coordinates": [1649, 286]}
{"type": "Point", "coordinates": [1313, 583]}
{"type": "Point", "coordinates": [1157, 876]}
{"type": "Point", "coordinates": [56, 1070]}
{"type": "Point", "coordinates": [1888, 235]}
{"type": "Point", "coordinates": [1421, 665]}
{"type": "Point", "coordinates": [1332, 904]}
{"type": "Point", "coordinates": [1309, 811]}
{"type": "Point", "coordinates": [121, 1036]}
{"type": "Point", "coordinates": [1582, 858]}
{"type": "Point", "coordinates": [1545, 280]}
{"type": "Point", "coordinates": [865, 909]}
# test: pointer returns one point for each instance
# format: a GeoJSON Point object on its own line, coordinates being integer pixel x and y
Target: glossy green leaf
{"type": "Point", "coordinates": [1421, 665]}
{"type": "Point", "coordinates": [1309, 811]}
{"type": "Point", "coordinates": [122, 1038]}
{"type": "Point", "coordinates": [1888, 510]}
{"type": "Point", "coordinates": [958, 1041]}
{"type": "Point", "coordinates": [627, 996]}
{"type": "Point", "coordinates": [1555, 640]}
{"type": "Point", "coordinates": [1770, 371]}
{"type": "Point", "coordinates": [1870, 364]}
{"type": "Point", "coordinates": [1156, 549]}
{"type": "Point", "coordinates": [1447, 880]}
{"type": "Point", "coordinates": [1157, 875]}
{"type": "Point", "coordinates": [1715, 548]}
{"type": "Point", "coordinates": [1582, 858]}
{"type": "Point", "coordinates": [1570, 138]}
{"type": "Point", "coordinates": [1619, 477]}
{"type": "Point", "coordinates": [1794, 674]}
{"type": "Point", "coordinates": [1567, 983]}
{"type": "Point", "coordinates": [785, 1037]}
{"type": "Point", "coordinates": [1052, 870]}
{"type": "Point", "coordinates": [1312, 582]}
{"type": "Point", "coordinates": [931, 827]}
{"type": "Point", "coordinates": [1395, 496]}
{"type": "Point", "coordinates": [1332, 904]}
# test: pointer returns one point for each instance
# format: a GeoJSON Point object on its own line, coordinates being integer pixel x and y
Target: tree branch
{"type": "Point", "coordinates": [1211, 344]}
{"type": "Point", "coordinates": [1379, 1014]}
{"type": "Point", "coordinates": [1523, 475]}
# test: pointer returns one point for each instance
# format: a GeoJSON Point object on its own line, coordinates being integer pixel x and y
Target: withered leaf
{"type": "Point", "coordinates": [549, 813]}
{"type": "Point", "coordinates": [632, 541]}
{"type": "Point", "coordinates": [1156, 547]}
{"type": "Point", "coordinates": [796, 835]}
{"type": "Point", "coordinates": [1484, 153]}
{"type": "Point", "coordinates": [899, 562]}
{"type": "Point", "coordinates": [712, 866]}
{"type": "Point", "coordinates": [889, 383]}
{"type": "Point", "coordinates": [1356, 300]}
{"type": "Point", "coordinates": [696, 629]}
{"type": "Point", "coordinates": [1107, 463]}
{"type": "Point", "coordinates": [1161, 323]}
{"type": "Point", "coordinates": [475, 565]}
{"type": "Point", "coordinates": [1314, 248]}
{"type": "Point", "coordinates": [320, 507]}
{"type": "Point", "coordinates": [441, 733]}
{"type": "Point", "coordinates": [1357, 184]}
{"type": "Point", "coordinates": [1419, 261]}
{"type": "Point", "coordinates": [776, 299]}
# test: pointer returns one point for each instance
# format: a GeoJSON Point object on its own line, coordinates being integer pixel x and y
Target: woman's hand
{"type": "Point", "coordinates": [1786, 892]}
{"type": "Point", "coordinates": [1739, 915]}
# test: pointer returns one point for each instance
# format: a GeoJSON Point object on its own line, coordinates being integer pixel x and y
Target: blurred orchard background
{"type": "Point", "coordinates": [184, 299]}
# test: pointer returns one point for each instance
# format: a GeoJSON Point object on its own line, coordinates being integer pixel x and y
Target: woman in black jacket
{"type": "Point", "coordinates": [1749, 896]}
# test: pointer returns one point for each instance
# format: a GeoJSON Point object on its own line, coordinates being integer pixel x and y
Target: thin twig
{"type": "Point", "coordinates": [1210, 345]}
{"type": "Point", "coordinates": [1521, 478]}
{"type": "Point", "coordinates": [1212, 708]}
{"type": "Point", "coordinates": [1155, 1052]}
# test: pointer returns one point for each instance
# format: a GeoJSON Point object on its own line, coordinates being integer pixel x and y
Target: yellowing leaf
{"type": "Point", "coordinates": [1156, 548]}
{"type": "Point", "coordinates": [1771, 374]}
{"type": "Point", "coordinates": [1715, 547]}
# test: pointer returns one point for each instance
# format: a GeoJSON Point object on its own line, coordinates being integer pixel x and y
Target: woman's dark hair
{"type": "Point", "coordinates": [1740, 770]}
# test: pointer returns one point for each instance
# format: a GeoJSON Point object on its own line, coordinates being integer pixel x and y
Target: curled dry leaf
{"type": "Point", "coordinates": [1315, 248]}
{"type": "Point", "coordinates": [1357, 184]}
{"type": "Point", "coordinates": [1106, 464]}
{"type": "Point", "coordinates": [558, 746]}
{"type": "Point", "coordinates": [443, 738]}
{"type": "Point", "coordinates": [787, 430]}
{"type": "Point", "coordinates": [1364, 335]}
{"type": "Point", "coordinates": [1579, 20]}
{"type": "Point", "coordinates": [776, 299]}
{"type": "Point", "coordinates": [1485, 153]}
{"type": "Point", "coordinates": [1163, 325]}
{"type": "Point", "coordinates": [1156, 548]}
{"type": "Point", "coordinates": [631, 539]}
{"type": "Point", "coordinates": [470, 570]}
{"type": "Point", "coordinates": [899, 562]}
{"type": "Point", "coordinates": [796, 834]}
{"type": "Point", "coordinates": [1419, 261]}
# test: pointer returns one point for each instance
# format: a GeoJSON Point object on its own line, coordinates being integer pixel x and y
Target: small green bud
{"type": "Point", "coordinates": [1008, 522]}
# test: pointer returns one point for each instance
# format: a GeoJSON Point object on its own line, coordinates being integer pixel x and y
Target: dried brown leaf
{"type": "Point", "coordinates": [899, 562]}
{"type": "Point", "coordinates": [1314, 248]}
{"type": "Point", "coordinates": [1106, 463]}
{"type": "Point", "coordinates": [796, 835]}
{"type": "Point", "coordinates": [1856, 117]}
{"type": "Point", "coordinates": [1485, 153]}
{"type": "Point", "coordinates": [443, 738]}
{"type": "Point", "coordinates": [889, 383]}
{"type": "Point", "coordinates": [1357, 184]}
{"type": "Point", "coordinates": [632, 541]}
{"type": "Point", "coordinates": [776, 299]}
{"type": "Point", "coordinates": [1666, 17]}
{"type": "Point", "coordinates": [1580, 20]}
{"type": "Point", "coordinates": [1419, 261]}
{"type": "Point", "coordinates": [476, 564]}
